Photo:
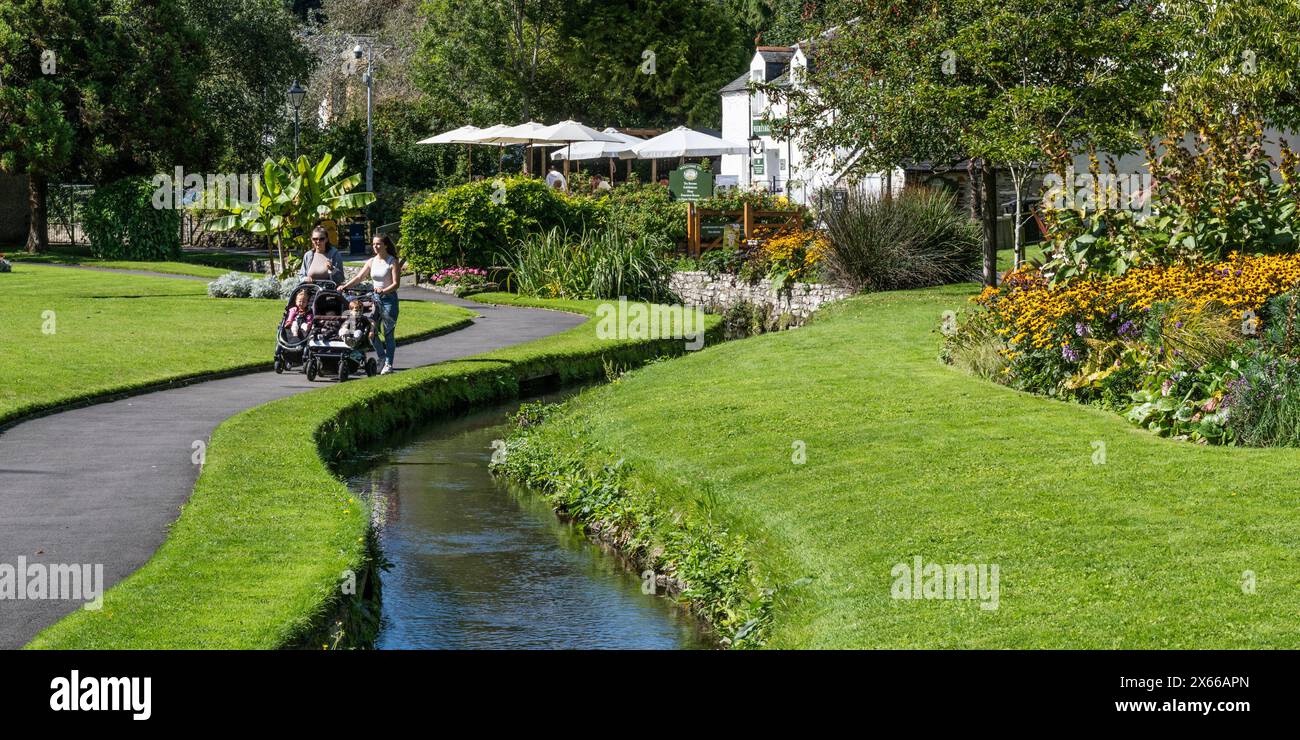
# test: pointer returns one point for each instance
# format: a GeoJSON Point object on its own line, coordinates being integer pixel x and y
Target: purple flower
{"type": "Point", "coordinates": [1070, 354]}
{"type": "Point", "coordinates": [1081, 329]}
{"type": "Point", "coordinates": [1127, 330]}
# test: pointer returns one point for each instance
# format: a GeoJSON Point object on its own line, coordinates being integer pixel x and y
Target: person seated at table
{"type": "Point", "coordinates": [598, 184]}
{"type": "Point", "coordinates": [555, 180]}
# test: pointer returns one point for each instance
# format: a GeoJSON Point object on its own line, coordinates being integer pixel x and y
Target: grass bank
{"type": "Point", "coordinates": [74, 335]}
{"type": "Point", "coordinates": [254, 561]}
{"type": "Point", "coordinates": [844, 448]}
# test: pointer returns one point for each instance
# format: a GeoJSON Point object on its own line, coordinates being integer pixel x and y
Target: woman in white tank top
{"type": "Point", "coordinates": [385, 271]}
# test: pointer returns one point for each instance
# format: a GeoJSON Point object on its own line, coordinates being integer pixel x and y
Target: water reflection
{"type": "Point", "coordinates": [476, 564]}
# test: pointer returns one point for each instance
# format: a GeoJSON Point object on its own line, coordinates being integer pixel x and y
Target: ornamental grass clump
{"type": "Point", "coordinates": [1264, 403]}
{"type": "Point", "coordinates": [606, 265]}
{"type": "Point", "coordinates": [915, 239]}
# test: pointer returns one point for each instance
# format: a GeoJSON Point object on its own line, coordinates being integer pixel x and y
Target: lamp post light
{"type": "Point", "coordinates": [296, 94]}
{"type": "Point", "coordinates": [755, 151]}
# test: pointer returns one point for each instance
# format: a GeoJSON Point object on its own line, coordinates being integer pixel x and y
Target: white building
{"type": "Point", "coordinates": [779, 165]}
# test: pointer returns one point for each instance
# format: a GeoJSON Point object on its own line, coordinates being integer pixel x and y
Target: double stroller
{"type": "Point", "coordinates": [327, 334]}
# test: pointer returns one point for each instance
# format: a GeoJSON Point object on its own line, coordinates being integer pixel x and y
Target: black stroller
{"type": "Point", "coordinates": [291, 338]}
{"type": "Point", "coordinates": [337, 345]}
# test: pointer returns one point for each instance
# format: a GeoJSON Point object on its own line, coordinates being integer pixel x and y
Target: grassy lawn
{"type": "Point", "coordinates": [254, 561]}
{"type": "Point", "coordinates": [1007, 257]}
{"type": "Point", "coordinates": [116, 332]}
{"type": "Point", "coordinates": [198, 264]}
{"type": "Point", "coordinates": [907, 457]}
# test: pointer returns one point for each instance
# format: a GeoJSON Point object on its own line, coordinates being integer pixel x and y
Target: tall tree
{"type": "Point", "coordinates": [629, 62]}
{"type": "Point", "coordinates": [100, 89]}
{"type": "Point", "coordinates": [1002, 81]}
{"type": "Point", "coordinates": [37, 101]}
{"type": "Point", "coordinates": [490, 58]}
{"type": "Point", "coordinates": [251, 51]}
{"type": "Point", "coordinates": [139, 109]}
{"type": "Point", "coordinates": [635, 62]}
{"type": "Point", "coordinates": [780, 22]}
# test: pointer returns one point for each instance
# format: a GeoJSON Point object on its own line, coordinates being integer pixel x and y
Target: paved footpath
{"type": "Point", "coordinates": [102, 484]}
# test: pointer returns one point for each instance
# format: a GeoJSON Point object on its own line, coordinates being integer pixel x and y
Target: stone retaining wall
{"type": "Point", "coordinates": [717, 294]}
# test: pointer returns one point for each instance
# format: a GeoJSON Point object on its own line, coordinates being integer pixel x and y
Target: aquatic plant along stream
{"type": "Point", "coordinates": [478, 562]}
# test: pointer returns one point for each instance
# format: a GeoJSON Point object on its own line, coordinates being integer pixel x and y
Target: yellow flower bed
{"type": "Point", "coordinates": [1030, 310]}
{"type": "Point", "coordinates": [796, 250]}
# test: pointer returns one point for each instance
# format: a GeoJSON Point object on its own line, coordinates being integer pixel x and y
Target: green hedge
{"type": "Point", "coordinates": [256, 558]}
{"type": "Point", "coordinates": [467, 226]}
{"type": "Point", "coordinates": [473, 225]}
{"type": "Point", "coordinates": [122, 223]}
{"type": "Point", "coordinates": [647, 209]}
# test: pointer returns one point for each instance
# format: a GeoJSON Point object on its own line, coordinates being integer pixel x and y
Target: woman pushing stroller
{"type": "Point", "coordinates": [385, 271]}
{"type": "Point", "coordinates": [323, 261]}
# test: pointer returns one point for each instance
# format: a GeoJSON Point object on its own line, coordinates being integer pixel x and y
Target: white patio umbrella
{"type": "Point", "coordinates": [683, 142]}
{"type": "Point", "coordinates": [462, 135]}
{"type": "Point", "coordinates": [488, 135]}
{"type": "Point", "coordinates": [686, 142]}
{"type": "Point", "coordinates": [467, 135]}
{"type": "Point", "coordinates": [524, 133]}
{"type": "Point", "coordinates": [602, 149]}
{"type": "Point", "coordinates": [569, 132]}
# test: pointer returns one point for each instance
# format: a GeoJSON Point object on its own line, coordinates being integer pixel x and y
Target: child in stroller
{"type": "Point", "coordinates": [335, 340]}
{"type": "Point", "coordinates": [357, 323]}
{"type": "Point", "coordinates": [291, 334]}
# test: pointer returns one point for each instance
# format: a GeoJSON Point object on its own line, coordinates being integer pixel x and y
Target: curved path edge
{"type": "Point", "coordinates": [100, 484]}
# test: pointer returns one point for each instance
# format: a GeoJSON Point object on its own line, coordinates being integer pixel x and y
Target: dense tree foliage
{"type": "Point", "coordinates": [39, 107]}
{"type": "Point", "coordinates": [95, 90]}
{"type": "Point", "coordinates": [1005, 81]}
{"type": "Point", "coordinates": [621, 62]}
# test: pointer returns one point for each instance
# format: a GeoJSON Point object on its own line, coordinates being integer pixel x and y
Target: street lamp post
{"type": "Point", "coordinates": [296, 94]}
{"type": "Point", "coordinates": [369, 79]}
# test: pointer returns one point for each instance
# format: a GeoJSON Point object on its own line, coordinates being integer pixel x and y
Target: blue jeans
{"type": "Point", "coordinates": [388, 322]}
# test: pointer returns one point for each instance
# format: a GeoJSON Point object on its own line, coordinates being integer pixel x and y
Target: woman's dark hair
{"type": "Point", "coordinates": [388, 244]}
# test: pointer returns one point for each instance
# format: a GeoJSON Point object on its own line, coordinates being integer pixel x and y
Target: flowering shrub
{"type": "Point", "coordinates": [792, 255]}
{"type": "Point", "coordinates": [735, 199]}
{"type": "Point", "coordinates": [1210, 194]}
{"type": "Point", "coordinates": [465, 280]}
{"type": "Point", "coordinates": [1199, 352]}
{"type": "Point", "coordinates": [1034, 314]}
{"type": "Point", "coordinates": [463, 276]}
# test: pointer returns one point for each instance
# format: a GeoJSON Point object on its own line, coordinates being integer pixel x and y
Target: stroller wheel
{"type": "Point", "coordinates": [311, 370]}
{"type": "Point", "coordinates": [279, 366]}
{"type": "Point", "coordinates": [343, 370]}
{"type": "Point", "coordinates": [372, 367]}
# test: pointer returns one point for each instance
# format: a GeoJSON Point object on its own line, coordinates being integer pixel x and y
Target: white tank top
{"type": "Point", "coordinates": [381, 272]}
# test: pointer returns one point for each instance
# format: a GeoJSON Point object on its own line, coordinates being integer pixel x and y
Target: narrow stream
{"type": "Point", "coordinates": [480, 563]}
